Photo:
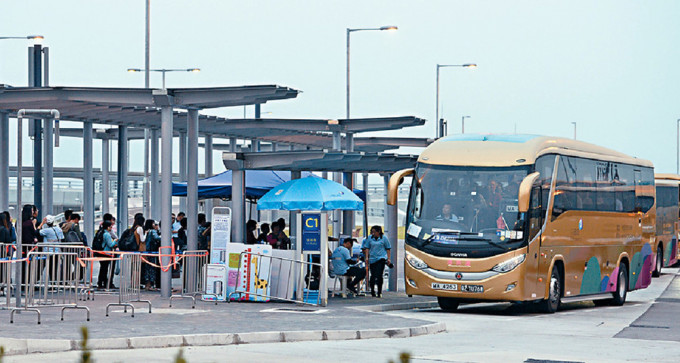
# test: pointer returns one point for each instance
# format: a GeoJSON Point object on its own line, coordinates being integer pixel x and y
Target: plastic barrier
{"type": "Point", "coordinates": [53, 280]}
{"type": "Point", "coordinates": [194, 267]}
{"type": "Point", "coordinates": [129, 290]}
{"type": "Point", "coordinates": [284, 271]}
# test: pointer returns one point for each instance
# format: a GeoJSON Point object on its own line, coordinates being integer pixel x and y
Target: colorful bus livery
{"type": "Point", "coordinates": [527, 218]}
{"type": "Point", "coordinates": [667, 221]}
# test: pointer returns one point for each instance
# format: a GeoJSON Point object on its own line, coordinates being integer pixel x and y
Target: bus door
{"type": "Point", "coordinates": [536, 214]}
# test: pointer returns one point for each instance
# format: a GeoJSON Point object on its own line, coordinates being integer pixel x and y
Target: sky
{"type": "Point", "coordinates": [609, 66]}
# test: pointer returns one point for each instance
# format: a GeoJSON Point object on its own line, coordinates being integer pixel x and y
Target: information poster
{"type": "Point", "coordinates": [216, 282]}
{"type": "Point", "coordinates": [220, 234]}
{"type": "Point", "coordinates": [311, 232]}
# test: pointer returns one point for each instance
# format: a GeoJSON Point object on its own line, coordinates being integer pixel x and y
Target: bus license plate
{"type": "Point", "coordinates": [472, 288]}
{"type": "Point", "coordinates": [449, 287]}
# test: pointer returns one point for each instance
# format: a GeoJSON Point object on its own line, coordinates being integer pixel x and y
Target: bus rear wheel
{"type": "Point", "coordinates": [658, 264]}
{"type": "Point", "coordinates": [552, 303]}
{"type": "Point", "coordinates": [447, 303]}
{"type": "Point", "coordinates": [621, 287]}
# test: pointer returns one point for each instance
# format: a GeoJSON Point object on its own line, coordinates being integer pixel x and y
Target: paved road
{"type": "Point", "coordinates": [580, 332]}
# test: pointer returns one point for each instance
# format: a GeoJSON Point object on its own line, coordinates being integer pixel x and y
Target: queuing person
{"type": "Point", "coordinates": [264, 232]}
{"type": "Point", "coordinates": [67, 218]}
{"type": "Point", "coordinates": [5, 229]}
{"type": "Point", "coordinates": [152, 244]}
{"type": "Point", "coordinates": [342, 259]}
{"type": "Point", "coordinates": [49, 232]}
{"type": "Point", "coordinates": [108, 244]}
{"type": "Point", "coordinates": [175, 226]}
{"type": "Point", "coordinates": [279, 239]}
{"type": "Point", "coordinates": [181, 241]}
{"type": "Point", "coordinates": [138, 230]}
{"type": "Point", "coordinates": [72, 225]}
{"type": "Point", "coordinates": [251, 231]}
{"type": "Point", "coordinates": [377, 251]}
{"type": "Point", "coordinates": [13, 232]}
{"type": "Point", "coordinates": [29, 230]}
{"type": "Point", "coordinates": [203, 232]}
{"type": "Point", "coordinates": [109, 217]}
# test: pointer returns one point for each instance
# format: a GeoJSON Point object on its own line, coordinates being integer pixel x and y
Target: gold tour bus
{"type": "Point", "coordinates": [667, 226]}
{"type": "Point", "coordinates": [527, 218]}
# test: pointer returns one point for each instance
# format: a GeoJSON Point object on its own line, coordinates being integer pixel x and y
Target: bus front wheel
{"type": "Point", "coordinates": [552, 303]}
{"type": "Point", "coordinates": [447, 303]}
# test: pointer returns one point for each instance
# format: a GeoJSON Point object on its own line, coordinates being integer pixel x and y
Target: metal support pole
{"type": "Point", "coordinates": [232, 144]}
{"type": "Point", "coordinates": [293, 216]}
{"type": "Point", "coordinates": [436, 114]}
{"type": "Point", "coordinates": [238, 200]}
{"type": "Point", "coordinates": [48, 147]}
{"type": "Point", "coordinates": [391, 232]}
{"type": "Point", "coordinates": [106, 183]}
{"type": "Point", "coordinates": [182, 167]}
{"type": "Point", "coordinates": [37, 134]}
{"type": "Point", "coordinates": [337, 177]}
{"type": "Point", "coordinates": [208, 172]}
{"type": "Point", "coordinates": [146, 190]}
{"type": "Point", "coordinates": [166, 196]}
{"type": "Point", "coordinates": [155, 182]}
{"type": "Point", "coordinates": [192, 180]}
{"type": "Point", "coordinates": [18, 271]}
{"type": "Point", "coordinates": [122, 195]}
{"type": "Point", "coordinates": [4, 162]}
{"type": "Point", "coordinates": [365, 180]}
{"type": "Point", "coordinates": [88, 181]}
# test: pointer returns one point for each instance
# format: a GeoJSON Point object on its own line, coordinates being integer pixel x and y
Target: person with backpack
{"type": "Point", "coordinates": [152, 244]}
{"type": "Point", "coordinates": [130, 240]}
{"type": "Point", "coordinates": [103, 242]}
{"type": "Point", "coordinates": [51, 233]}
{"type": "Point", "coordinates": [71, 229]}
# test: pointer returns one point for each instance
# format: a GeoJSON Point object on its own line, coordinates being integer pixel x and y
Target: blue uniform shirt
{"type": "Point", "coordinates": [339, 258]}
{"type": "Point", "coordinates": [377, 248]}
{"type": "Point", "coordinates": [176, 227]}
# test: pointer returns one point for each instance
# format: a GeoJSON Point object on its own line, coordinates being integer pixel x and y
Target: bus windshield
{"type": "Point", "coordinates": [450, 204]}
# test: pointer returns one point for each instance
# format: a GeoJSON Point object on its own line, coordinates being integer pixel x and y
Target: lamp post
{"type": "Point", "coordinates": [574, 123]}
{"type": "Point", "coordinates": [462, 122]}
{"type": "Point", "coordinates": [438, 132]}
{"type": "Point", "coordinates": [164, 71]}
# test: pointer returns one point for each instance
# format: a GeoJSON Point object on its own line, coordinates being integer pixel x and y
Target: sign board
{"type": "Point", "coordinates": [216, 282]}
{"type": "Point", "coordinates": [220, 234]}
{"type": "Point", "coordinates": [250, 274]}
{"type": "Point", "coordinates": [311, 232]}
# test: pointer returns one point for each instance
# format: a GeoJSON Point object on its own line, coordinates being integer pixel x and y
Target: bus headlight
{"type": "Point", "coordinates": [414, 261]}
{"type": "Point", "coordinates": [510, 264]}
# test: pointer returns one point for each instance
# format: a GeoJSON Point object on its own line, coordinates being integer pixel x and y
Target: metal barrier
{"type": "Point", "coordinates": [289, 275]}
{"type": "Point", "coordinates": [129, 289]}
{"type": "Point", "coordinates": [194, 266]}
{"type": "Point", "coordinates": [53, 280]}
{"type": "Point", "coordinates": [84, 254]}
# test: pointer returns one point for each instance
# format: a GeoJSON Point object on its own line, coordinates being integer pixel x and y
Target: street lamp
{"type": "Point", "coordinates": [462, 119]}
{"type": "Point", "coordinates": [164, 71]}
{"type": "Point", "coordinates": [574, 123]}
{"type": "Point", "coordinates": [438, 132]}
{"type": "Point", "coordinates": [352, 30]}
{"type": "Point", "coordinates": [35, 37]}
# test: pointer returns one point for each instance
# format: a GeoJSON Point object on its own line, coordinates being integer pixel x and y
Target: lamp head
{"type": "Point", "coordinates": [389, 27]}
{"type": "Point", "coordinates": [193, 70]}
{"type": "Point", "coordinates": [132, 70]}
{"type": "Point", "coordinates": [470, 65]}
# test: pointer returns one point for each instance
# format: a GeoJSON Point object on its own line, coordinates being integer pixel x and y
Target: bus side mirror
{"type": "Point", "coordinates": [393, 186]}
{"type": "Point", "coordinates": [525, 191]}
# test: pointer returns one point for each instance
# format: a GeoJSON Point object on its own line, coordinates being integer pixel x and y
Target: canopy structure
{"type": "Point", "coordinates": [258, 183]}
{"type": "Point", "coordinates": [310, 193]}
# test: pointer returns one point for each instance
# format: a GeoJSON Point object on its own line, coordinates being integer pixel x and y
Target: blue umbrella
{"type": "Point", "coordinates": [310, 193]}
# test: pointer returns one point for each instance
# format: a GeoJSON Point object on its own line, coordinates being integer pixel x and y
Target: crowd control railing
{"type": "Point", "coordinates": [129, 289]}
{"type": "Point", "coordinates": [193, 276]}
{"type": "Point", "coordinates": [52, 280]}
{"type": "Point", "coordinates": [287, 275]}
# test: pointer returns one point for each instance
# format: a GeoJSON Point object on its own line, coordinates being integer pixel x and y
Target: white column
{"type": "Point", "coordinates": [4, 161]}
{"type": "Point", "coordinates": [192, 180]}
{"type": "Point", "coordinates": [155, 182]}
{"type": "Point", "coordinates": [106, 183]}
{"type": "Point", "coordinates": [48, 160]}
{"type": "Point", "coordinates": [182, 167]}
{"type": "Point", "coordinates": [88, 182]}
{"type": "Point", "coordinates": [208, 172]}
{"type": "Point", "coordinates": [392, 234]}
{"type": "Point", "coordinates": [122, 195]}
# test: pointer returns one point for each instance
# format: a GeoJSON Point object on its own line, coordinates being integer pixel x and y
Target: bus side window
{"type": "Point", "coordinates": [535, 213]}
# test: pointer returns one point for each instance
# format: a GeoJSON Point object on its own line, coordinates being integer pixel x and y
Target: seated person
{"type": "Point", "coordinates": [341, 259]}
{"type": "Point", "coordinates": [446, 214]}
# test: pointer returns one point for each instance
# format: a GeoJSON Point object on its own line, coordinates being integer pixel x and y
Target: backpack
{"type": "Point", "coordinates": [98, 241]}
{"type": "Point", "coordinates": [152, 243]}
{"type": "Point", "coordinates": [127, 241]}
{"type": "Point", "coordinates": [72, 236]}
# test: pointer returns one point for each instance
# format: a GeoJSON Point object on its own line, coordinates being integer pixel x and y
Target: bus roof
{"type": "Point", "coordinates": [513, 150]}
{"type": "Point", "coordinates": [667, 179]}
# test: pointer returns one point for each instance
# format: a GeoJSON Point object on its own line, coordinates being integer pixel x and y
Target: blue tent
{"type": "Point", "coordinates": [258, 183]}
